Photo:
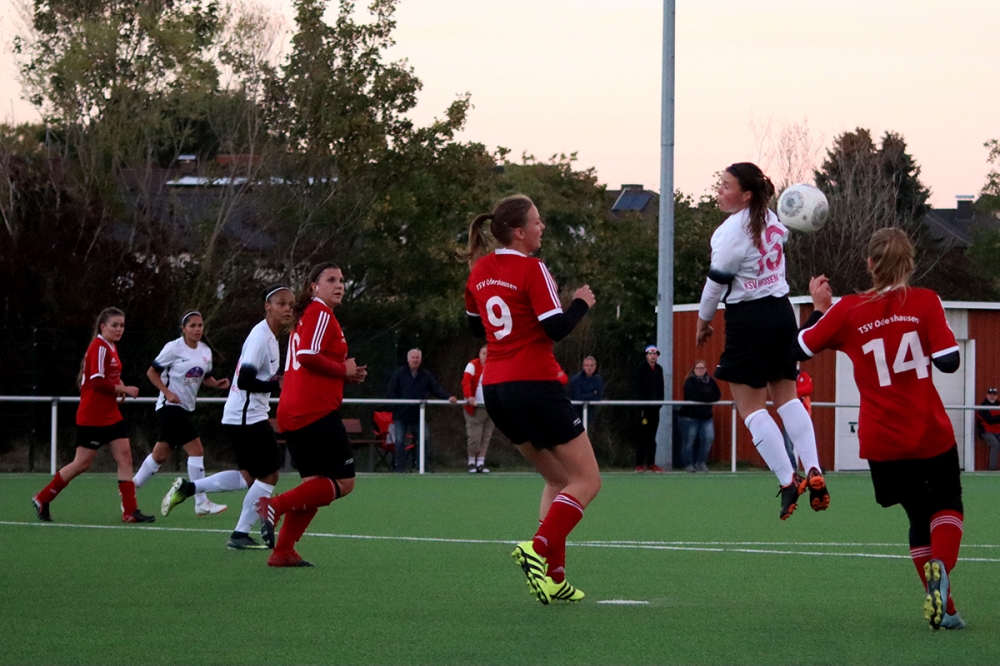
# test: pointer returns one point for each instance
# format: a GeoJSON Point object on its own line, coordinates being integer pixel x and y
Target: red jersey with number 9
{"type": "Point", "coordinates": [891, 339]}
{"type": "Point", "coordinates": [514, 293]}
{"type": "Point", "coordinates": [307, 396]}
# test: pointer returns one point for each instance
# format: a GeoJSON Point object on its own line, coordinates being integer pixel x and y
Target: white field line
{"type": "Point", "coordinates": [684, 546]}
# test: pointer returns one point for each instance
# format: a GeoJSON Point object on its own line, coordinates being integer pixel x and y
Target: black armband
{"type": "Point", "coordinates": [156, 366]}
{"type": "Point", "coordinates": [248, 381]}
{"type": "Point", "coordinates": [476, 326]}
{"type": "Point", "coordinates": [720, 277]}
{"type": "Point", "coordinates": [559, 326]}
{"type": "Point", "coordinates": [947, 363]}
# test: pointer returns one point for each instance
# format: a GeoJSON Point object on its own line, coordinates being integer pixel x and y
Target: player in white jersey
{"type": "Point", "coordinates": [245, 422]}
{"type": "Point", "coordinates": [747, 272]}
{"type": "Point", "coordinates": [178, 371]}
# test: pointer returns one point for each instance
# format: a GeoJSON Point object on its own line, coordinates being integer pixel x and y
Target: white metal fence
{"type": "Point", "coordinates": [55, 401]}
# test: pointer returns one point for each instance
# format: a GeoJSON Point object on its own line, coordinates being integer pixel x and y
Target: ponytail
{"type": "Point", "coordinates": [508, 214]}
{"type": "Point", "coordinates": [753, 180]}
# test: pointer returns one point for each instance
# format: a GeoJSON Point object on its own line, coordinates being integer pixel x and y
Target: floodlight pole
{"type": "Point", "coordinates": [665, 265]}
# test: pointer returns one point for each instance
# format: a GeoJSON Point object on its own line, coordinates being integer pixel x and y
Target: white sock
{"type": "Point", "coordinates": [800, 430]}
{"type": "Point", "coordinates": [248, 516]}
{"type": "Point", "coordinates": [221, 482]}
{"type": "Point", "coordinates": [770, 444]}
{"type": "Point", "coordinates": [480, 461]}
{"type": "Point", "coordinates": [196, 471]}
{"type": "Point", "coordinates": [146, 470]}
{"type": "Point", "coordinates": [472, 461]}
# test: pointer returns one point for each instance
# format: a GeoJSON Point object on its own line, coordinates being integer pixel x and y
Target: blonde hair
{"type": "Point", "coordinates": [508, 214]}
{"type": "Point", "coordinates": [892, 257]}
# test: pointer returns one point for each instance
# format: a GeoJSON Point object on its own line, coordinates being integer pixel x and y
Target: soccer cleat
{"type": "Point", "coordinates": [41, 510]}
{"type": "Point", "coordinates": [819, 496]}
{"type": "Point", "coordinates": [790, 495]}
{"type": "Point", "coordinates": [952, 621]}
{"type": "Point", "coordinates": [267, 520]}
{"type": "Point", "coordinates": [179, 491]}
{"type": "Point", "coordinates": [137, 517]}
{"type": "Point", "coordinates": [482, 469]}
{"type": "Point", "coordinates": [209, 508]}
{"type": "Point", "coordinates": [534, 567]}
{"type": "Point", "coordinates": [937, 593]}
{"type": "Point", "coordinates": [244, 542]}
{"type": "Point", "coordinates": [562, 591]}
{"type": "Point", "coordinates": [287, 559]}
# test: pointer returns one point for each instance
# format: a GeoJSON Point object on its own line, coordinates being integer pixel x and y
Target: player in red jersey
{"type": "Point", "coordinates": [308, 416]}
{"type": "Point", "coordinates": [512, 299]}
{"type": "Point", "coordinates": [98, 421]}
{"type": "Point", "coordinates": [892, 334]}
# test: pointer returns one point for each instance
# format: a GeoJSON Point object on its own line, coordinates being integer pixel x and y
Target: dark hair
{"type": "Point", "coordinates": [305, 296]}
{"type": "Point", "coordinates": [508, 214]}
{"type": "Point", "coordinates": [217, 357]}
{"type": "Point", "coordinates": [106, 314]}
{"type": "Point", "coordinates": [892, 256]}
{"type": "Point", "coordinates": [274, 289]}
{"type": "Point", "coordinates": [753, 180]}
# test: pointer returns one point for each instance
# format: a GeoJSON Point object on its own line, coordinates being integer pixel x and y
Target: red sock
{"type": "Point", "coordinates": [920, 555]}
{"type": "Point", "coordinates": [293, 528]}
{"type": "Point", "coordinates": [563, 515]}
{"type": "Point", "coordinates": [310, 494]}
{"type": "Point", "coordinates": [127, 490]}
{"type": "Point", "coordinates": [946, 539]}
{"type": "Point", "coordinates": [49, 492]}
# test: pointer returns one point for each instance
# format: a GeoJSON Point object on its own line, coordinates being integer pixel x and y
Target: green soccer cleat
{"type": "Point", "coordinates": [534, 567]}
{"type": "Point", "coordinates": [937, 593]}
{"type": "Point", "coordinates": [179, 491]}
{"type": "Point", "coordinates": [562, 591]}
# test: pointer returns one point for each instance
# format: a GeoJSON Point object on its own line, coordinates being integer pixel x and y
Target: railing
{"type": "Point", "coordinates": [54, 401]}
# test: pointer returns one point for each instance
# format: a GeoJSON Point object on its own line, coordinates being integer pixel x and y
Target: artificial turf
{"type": "Point", "coordinates": [416, 570]}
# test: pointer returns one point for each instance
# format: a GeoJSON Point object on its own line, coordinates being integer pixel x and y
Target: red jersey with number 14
{"type": "Point", "coordinates": [514, 293]}
{"type": "Point", "coordinates": [306, 396]}
{"type": "Point", "coordinates": [102, 370]}
{"type": "Point", "coordinates": [891, 340]}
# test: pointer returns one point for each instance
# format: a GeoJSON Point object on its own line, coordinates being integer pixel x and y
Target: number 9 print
{"type": "Point", "coordinates": [503, 320]}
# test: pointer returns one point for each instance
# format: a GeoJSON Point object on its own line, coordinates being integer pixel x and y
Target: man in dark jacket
{"type": "Point", "coordinates": [586, 385]}
{"type": "Point", "coordinates": [411, 382]}
{"type": "Point", "coordinates": [648, 386]}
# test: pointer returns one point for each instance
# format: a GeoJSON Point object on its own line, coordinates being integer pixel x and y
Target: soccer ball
{"type": "Point", "coordinates": [803, 208]}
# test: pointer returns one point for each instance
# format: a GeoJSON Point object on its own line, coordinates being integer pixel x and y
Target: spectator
{"type": "Point", "coordinates": [411, 382]}
{"type": "Point", "coordinates": [988, 426]}
{"type": "Point", "coordinates": [696, 420]}
{"type": "Point", "coordinates": [586, 385]}
{"type": "Point", "coordinates": [478, 424]}
{"type": "Point", "coordinates": [648, 386]}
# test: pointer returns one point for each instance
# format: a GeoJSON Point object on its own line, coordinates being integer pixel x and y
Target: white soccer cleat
{"type": "Point", "coordinates": [209, 508]}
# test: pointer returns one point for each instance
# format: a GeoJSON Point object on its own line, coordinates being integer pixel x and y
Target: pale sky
{"type": "Point", "coordinates": [558, 76]}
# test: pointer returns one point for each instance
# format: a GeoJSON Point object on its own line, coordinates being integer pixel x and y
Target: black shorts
{"type": "Point", "coordinates": [176, 428]}
{"type": "Point", "coordinates": [537, 412]}
{"type": "Point", "coordinates": [322, 448]}
{"type": "Point", "coordinates": [759, 337]}
{"type": "Point", "coordinates": [933, 483]}
{"type": "Point", "coordinates": [256, 447]}
{"type": "Point", "coordinates": [94, 437]}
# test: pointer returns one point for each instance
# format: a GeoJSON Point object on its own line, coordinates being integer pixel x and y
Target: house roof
{"type": "Point", "coordinates": [956, 228]}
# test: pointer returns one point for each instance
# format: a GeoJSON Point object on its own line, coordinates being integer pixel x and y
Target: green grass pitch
{"type": "Point", "coordinates": [416, 570]}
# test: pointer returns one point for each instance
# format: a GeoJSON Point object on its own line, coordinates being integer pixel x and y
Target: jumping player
{"type": "Point", "coordinates": [245, 422]}
{"type": "Point", "coordinates": [512, 299]}
{"type": "Point", "coordinates": [177, 373]}
{"type": "Point", "coordinates": [98, 420]}
{"type": "Point", "coordinates": [748, 273]}
{"type": "Point", "coordinates": [315, 371]}
{"type": "Point", "coordinates": [892, 334]}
